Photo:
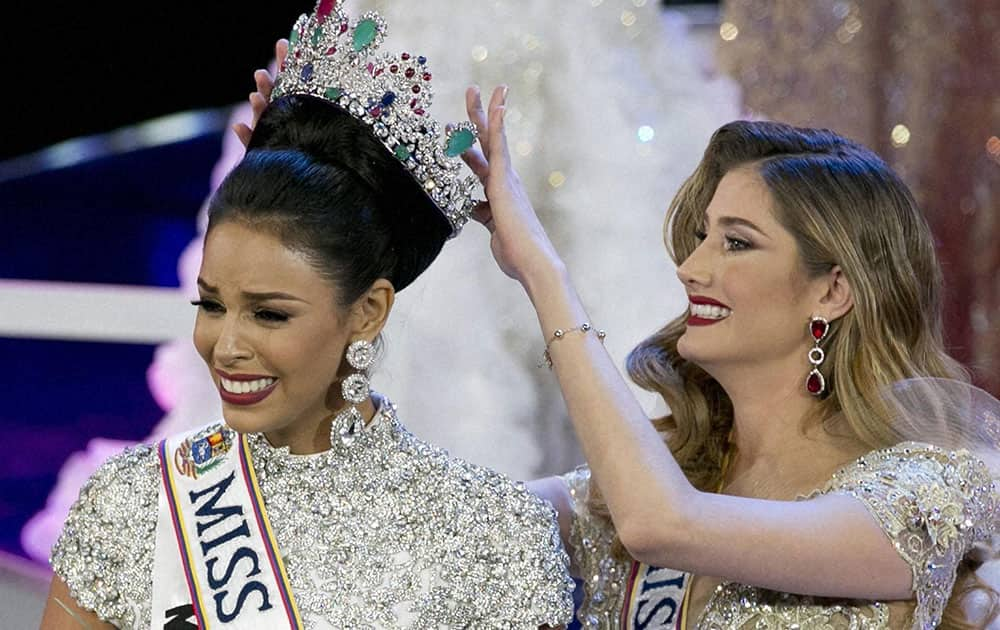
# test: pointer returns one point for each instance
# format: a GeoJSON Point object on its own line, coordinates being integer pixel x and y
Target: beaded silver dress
{"type": "Point", "coordinates": [931, 503]}
{"type": "Point", "coordinates": [387, 532]}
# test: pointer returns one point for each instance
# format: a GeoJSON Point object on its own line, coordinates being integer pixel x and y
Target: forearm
{"type": "Point", "coordinates": [658, 515]}
{"type": "Point", "coordinates": [664, 521]}
{"type": "Point", "coordinates": [638, 477]}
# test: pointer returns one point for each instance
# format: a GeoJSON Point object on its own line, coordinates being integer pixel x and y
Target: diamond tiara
{"type": "Point", "coordinates": [336, 60]}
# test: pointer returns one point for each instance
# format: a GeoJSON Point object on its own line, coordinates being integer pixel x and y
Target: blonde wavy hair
{"type": "Point", "coordinates": [844, 206]}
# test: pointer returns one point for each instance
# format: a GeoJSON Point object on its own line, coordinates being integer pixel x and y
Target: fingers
{"type": "Point", "coordinates": [499, 153]}
{"type": "Point", "coordinates": [258, 103]}
{"type": "Point", "coordinates": [499, 96]}
{"type": "Point", "coordinates": [474, 106]}
{"type": "Point", "coordinates": [481, 212]}
{"type": "Point", "coordinates": [495, 153]}
{"type": "Point", "coordinates": [281, 51]}
{"type": "Point", "coordinates": [243, 133]}
{"type": "Point", "coordinates": [264, 81]}
{"type": "Point", "coordinates": [476, 161]}
{"type": "Point", "coordinates": [259, 99]}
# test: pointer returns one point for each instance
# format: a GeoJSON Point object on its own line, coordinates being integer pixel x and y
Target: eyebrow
{"type": "Point", "coordinates": [733, 221]}
{"type": "Point", "coordinates": [255, 296]}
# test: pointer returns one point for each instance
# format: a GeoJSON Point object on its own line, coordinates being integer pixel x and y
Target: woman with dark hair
{"type": "Point", "coordinates": [825, 463]}
{"type": "Point", "coordinates": [311, 505]}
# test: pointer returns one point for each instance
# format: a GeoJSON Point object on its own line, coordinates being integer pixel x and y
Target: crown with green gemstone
{"type": "Point", "coordinates": [335, 59]}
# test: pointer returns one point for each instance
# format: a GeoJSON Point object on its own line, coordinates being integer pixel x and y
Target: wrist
{"type": "Point", "coordinates": [544, 278]}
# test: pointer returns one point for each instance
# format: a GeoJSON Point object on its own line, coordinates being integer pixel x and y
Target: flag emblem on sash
{"type": "Point", "coordinates": [203, 451]}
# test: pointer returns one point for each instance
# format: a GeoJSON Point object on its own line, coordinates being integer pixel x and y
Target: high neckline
{"type": "Point", "coordinates": [384, 423]}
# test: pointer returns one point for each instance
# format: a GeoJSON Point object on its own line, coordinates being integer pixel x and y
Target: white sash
{"type": "Point", "coordinates": [653, 598]}
{"type": "Point", "coordinates": [216, 563]}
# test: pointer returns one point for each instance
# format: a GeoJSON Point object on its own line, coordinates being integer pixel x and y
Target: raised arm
{"type": "Point", "coordinates": [828, 546]}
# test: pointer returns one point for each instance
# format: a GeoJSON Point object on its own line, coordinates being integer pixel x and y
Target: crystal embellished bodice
{"type": "Point", "coordinates": [931, 503]}
{"type": "Point", "coordinates": [387, 532]}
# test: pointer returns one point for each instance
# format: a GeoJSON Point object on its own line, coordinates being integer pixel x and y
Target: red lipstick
{"type": "Point", "coordinates": [700, 299]}
{"type": "Point", "coordinates": [694, 320]}
{"type": "Point", "coordinates": [248, 398]}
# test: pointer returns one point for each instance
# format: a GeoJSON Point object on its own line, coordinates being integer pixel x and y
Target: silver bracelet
{"type": "Point", "coordinates": [559, 333]}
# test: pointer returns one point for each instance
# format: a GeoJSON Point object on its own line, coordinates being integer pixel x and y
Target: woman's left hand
{"type": "Point", "coordinates": [519, 243]}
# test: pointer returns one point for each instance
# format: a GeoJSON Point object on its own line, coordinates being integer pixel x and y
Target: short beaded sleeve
{"type": "Point", "coordinates": [106, 547]}
{"type": "Point", "coordinates": [604, 575]}
{"type": "Point", "coordinates": [933, 504]}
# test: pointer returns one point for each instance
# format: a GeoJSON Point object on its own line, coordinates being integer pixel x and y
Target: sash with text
{"type": "Point", "coordinates": [216, 563]}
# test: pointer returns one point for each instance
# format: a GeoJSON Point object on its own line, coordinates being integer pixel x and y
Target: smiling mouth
{"type": "Point", "coordinates": [246, 387]}
{"type": "Point", "coordinates": [709, 312]}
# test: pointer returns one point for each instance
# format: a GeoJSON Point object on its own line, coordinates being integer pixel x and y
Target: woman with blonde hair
{"type": "Point", "coordinates": [824, 463]}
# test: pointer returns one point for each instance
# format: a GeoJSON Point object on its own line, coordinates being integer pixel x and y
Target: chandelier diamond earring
{"type": "Point", "coordinates": [355, 389]}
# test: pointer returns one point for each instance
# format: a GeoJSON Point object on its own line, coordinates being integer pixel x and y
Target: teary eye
{"type": "Point", "coordinates": [270, 316]}
{"type": "Point", "coordinates": [209, 306]}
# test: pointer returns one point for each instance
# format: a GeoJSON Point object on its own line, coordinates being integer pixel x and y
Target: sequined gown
{"type": "Point", "coordinates": [389, 533]}
{"type": "Point", "coordinates": [932, 504]}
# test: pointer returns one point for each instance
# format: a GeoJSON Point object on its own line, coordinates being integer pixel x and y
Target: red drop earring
{"type": "Point", "coordinates": [815, 383]}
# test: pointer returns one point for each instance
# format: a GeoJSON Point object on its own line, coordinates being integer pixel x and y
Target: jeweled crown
{"type": "Point", "coordinates": [332, 58]}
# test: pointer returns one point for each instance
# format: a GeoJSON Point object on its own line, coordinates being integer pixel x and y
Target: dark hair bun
{"type": "Point", "coordinates": [334, 190]}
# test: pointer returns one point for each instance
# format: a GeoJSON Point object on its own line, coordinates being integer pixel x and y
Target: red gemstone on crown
{"type": "Point", "coordinates": [375, 112]}
{"type": "Point", "coordinates": [393, 68]}
{"type": "Point", "coordinates": [331, 50]}
{"type": "Point", "coordinates": [815, 383]}
{"type": "Point", "coordinates": [413, 103]}
{"type": "Point", "coordinates": [343, 28]}
{"type": "Point", "coordinates": [416, 89]}
{"type": "Point", "coordinates": [818, 328]}
{"type": "Point", "coordinates": [418, 112]}
{"type": "Point", "coordinates": [324, 10]}
{"type": "Point", "coordinates": [427, 76]}
{"type": "Point", "coordinates": [405, 56]}
{"type": "Point", "coordinates": [409, 73]}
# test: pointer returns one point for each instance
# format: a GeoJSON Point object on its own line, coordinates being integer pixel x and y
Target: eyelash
{"type": "Point", "coordinates": [737, 244]}
{"type": "Point", "coordinates": [733, 244]}
{"type": "Point", "coordinates": [208, 306]}
{"type": "Point", "coordinates": [271, 317]}
{"type": "Point", "coordinates": [265, 315]}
